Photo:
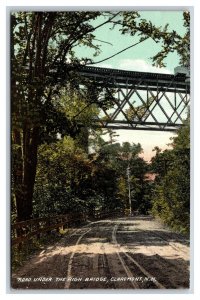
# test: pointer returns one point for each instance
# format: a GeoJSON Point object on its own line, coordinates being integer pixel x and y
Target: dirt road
{"type": "Point", "coordinates": [123, 253]}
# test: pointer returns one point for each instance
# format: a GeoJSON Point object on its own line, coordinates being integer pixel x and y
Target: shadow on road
{"type": "Point", "coordinates": [97, 256]}
{"type": "Point", "coordinates": [171, 273]}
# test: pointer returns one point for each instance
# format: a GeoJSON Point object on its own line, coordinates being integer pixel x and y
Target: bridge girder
{"type": "Point", "coordinates": [141, 100]}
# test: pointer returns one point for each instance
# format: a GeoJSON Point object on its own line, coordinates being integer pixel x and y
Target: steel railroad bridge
{"type": "Point", "coordinates": [140, 100]}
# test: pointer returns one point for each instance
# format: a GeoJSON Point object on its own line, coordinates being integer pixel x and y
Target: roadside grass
{"type": "Point", "coordinates": [23, 252]}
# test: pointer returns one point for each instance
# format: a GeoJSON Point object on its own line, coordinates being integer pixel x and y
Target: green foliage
{"type": "Point", "coordinates": [43, 111]}
{"type": "Point", "coordinates": [40, 43]}
{"type": "Point", "coordinates": [62, 178]}
{"type": "Point", "coordinates": [118, 158]}
{"type": "Point", "coordinates": [22, 254]}
{"type": "Point", "coordinates": [141, 112]}
{"type": "Point", "coordinates": [171, 194]}
{"type": "Point", "coordinates": [171, 41]}
{"type": "Point", "coordinates": [70, 180]}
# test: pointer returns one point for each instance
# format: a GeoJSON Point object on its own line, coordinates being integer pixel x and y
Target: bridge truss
{"type": "Point", "coordinates": [140, 100]}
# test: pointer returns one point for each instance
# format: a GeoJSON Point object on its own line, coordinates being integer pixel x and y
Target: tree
{"type": "Point", "coordinates": [41, 44]}
{"type": "Point", "coordinates": [63, 179]}
{"type": "Point", "coordinates": [171, 194]}
{"type": "Point", "coordinates": [137, 113]}
{"type": "Point", "coordinates": [132, 24]}
{"type": "Point", "coordinates": [119, 158]}
{"type": "Point", "coordinates": [171, 40]}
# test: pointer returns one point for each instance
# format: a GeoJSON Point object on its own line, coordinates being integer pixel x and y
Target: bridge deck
{"type": "Point", "coordinates": [141, 100]}
{"type": "Point", "coordinates": [115, 77]}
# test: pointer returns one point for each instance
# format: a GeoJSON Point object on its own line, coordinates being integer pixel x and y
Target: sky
{"type": "Point", "coordinates": [138, 58]}
{"type": "Point", "coordinates": [141, 52]}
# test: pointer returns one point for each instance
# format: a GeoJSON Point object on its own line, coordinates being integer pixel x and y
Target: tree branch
{"type": "Point", "coordinates": [93, 29]}
{"type": "Point", "coordinates": [97, 62]}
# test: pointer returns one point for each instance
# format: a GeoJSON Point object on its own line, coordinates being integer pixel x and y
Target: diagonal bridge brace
{"type": "Point", "coordinates": [129, 84]}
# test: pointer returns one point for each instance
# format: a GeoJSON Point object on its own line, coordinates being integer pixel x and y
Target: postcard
{"type": "Point", "coordinates": [100, 149]}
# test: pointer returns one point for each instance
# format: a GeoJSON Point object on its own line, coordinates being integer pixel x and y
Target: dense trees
{"type": "Point", "coordinates": [62, 179]}
{"type": "Point", "coordinates": [171, 193]}
{"type": "Point", "coordinates": [68, 180]}
{"type": "Point", "coordinates": [41, 43]}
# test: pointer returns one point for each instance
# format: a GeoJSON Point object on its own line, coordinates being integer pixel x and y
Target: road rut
{"type": "Point", "coordinates": [122, 253]}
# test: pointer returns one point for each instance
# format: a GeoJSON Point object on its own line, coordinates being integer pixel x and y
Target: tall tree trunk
{"type": "Point", "coordinates": [24, 164]}
{"type": "Point", "coordinates": [30, 167]}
